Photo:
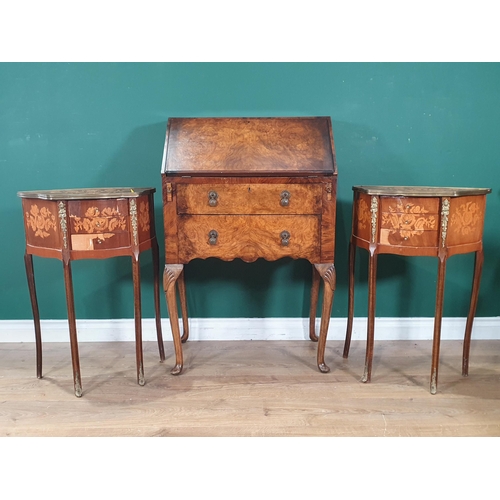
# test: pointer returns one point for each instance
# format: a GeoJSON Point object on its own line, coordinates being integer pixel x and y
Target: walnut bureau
{"type": "Point", "coordinates": [249, 188]}
{"type": "Point", "coordinates": [416, 221]}
{"type": "Point", "coordinates": [73, 224]}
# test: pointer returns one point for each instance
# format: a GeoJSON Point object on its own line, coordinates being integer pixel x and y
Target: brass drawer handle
{"type": "Point", "coordinates": [212, 198]}
{"type": "Point", "coordinates": [212, 237]}
{"type": "Point", "coordinates": [285, 238]}
{"type": "Point", "coordinates": [285, 198]}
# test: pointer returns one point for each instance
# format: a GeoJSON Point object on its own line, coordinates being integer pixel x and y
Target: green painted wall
{"type": "Point", "coordinates": [88, 125]}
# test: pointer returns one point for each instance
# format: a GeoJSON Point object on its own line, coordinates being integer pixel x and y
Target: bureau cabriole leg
{"type": "Point", "coordinates": [156, 276]}
{"type": "Point", "coordinates": [316, 278]}
{"type": "Point", "coordinates": [350, 303]}
{"type": "Point", "coordinates": [327, 272]}
{"type": "Point", "coordinates": [30, 274]}
{"type": "Point", "coordinates": [370, 337]}
{"type": "Point", "coordinates": [170, 276]}
{"type": "Point", "coordinates": [138, 320]}
{"type": "Point", "coordinates": [478, 267]}
{"type": "Point", "coordinates": [70, 302]}
{"type": "Point", "coordinates": [437, 324]}
{"type": "Point", "coordinates": [181, 285]}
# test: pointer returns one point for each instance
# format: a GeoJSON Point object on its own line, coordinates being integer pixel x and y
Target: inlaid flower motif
{"type": "Point", "coordinates": [408, 220]}
{"type": "Point", "coordinates": [466, 217]}
{"type": "Point", "coordinates": [40, 220]}
{"type": "Point", "coordinates": [144, 216]}
{"type": "Point", "coordinates": [364, 216]}
{"type": "Point", "coordinates": [96, 221]}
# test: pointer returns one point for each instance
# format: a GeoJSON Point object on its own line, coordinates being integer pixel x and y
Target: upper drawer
{"type": "Point", "coordinates": [251, 199]}
{"type": "Point", "coordinates": [409, 205]}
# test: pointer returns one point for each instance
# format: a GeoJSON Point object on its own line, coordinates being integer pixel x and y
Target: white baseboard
{"type": "Point", "coordinates": [248, 329]}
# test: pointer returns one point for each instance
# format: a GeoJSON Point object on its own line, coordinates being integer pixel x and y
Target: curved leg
{"type": "Point", "coordinates": [327, 272]}
{"type": "Point", "coordinates": [70, 302]}
{"type": "Point", "coordinates": [350, 304]}
{"type": "Point", "coordinates": [478, 267]}
{"type": "Point", "coordinates": [370, 337]}
{"type": "Point", "coordinates": [181, 285]}
{"type": "Point", "coordinates": [156, 275]}
{"type": "Point", "coordinates": [170, 276]}
{"type": "Point", "coordinates": [138, 320]}
{"type": "Point", "coordinates": [437, 325]}
{"type": "Point", "coordinates": [30, 274]}
{"type": "Point", "coordinates": [314, 304]}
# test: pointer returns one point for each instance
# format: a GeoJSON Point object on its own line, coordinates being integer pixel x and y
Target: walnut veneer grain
{"type": "Point", "coordinates": [249, 188]}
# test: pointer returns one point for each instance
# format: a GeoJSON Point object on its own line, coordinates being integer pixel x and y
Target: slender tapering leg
{"type": "Point", "coordinates": [327, 272]}
{"type": "Point", "coordinates": [478, 267]}
{"type": "Point", "coordinates": [170, 276]}
{"type": "Point", "coordinates": [316, 278]}
{"type": "Point", "coordinates": [28, 261]}
{"type": "Point", "coordinates": [136, 272]}
{"type": "Point", "coordinates": [370, 337]}
{"type": "Point", "coordinates": [437, 324]}
{"type": "Point", "coordinates": [156, 276]}
{"type": "Point", "coordinates": [181, 285]}
{"type": "Point", "coordinates": [350, 303]}
{"type": "Point", "coordinates": [70, 302]}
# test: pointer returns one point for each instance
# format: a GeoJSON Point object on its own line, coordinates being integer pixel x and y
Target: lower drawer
{"type": "Point", "coordinates": [248, 237]}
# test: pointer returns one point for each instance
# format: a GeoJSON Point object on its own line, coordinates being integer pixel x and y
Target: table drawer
{"type": "Point", "coordinates": [249, 237]}
{"type": "Point", "coordinates": [409, 229]}
{"type": "Point", "coordinates": [249, 198]}
{"type": "Point", "coordinates": [409, 205]}
{"type": "Point", "coordinates": [409, 221]}
{"type": "Point", "coordinates": [98, 224]}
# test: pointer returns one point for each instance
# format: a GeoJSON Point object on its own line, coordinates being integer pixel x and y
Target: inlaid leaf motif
{"type": "Point", "coordinates": [96, 221]}
{"type": "Point", "coordinates": [466, 217]}
{"type": "Point", "coordinates": [364, 216]}
{"type": "Point", "coordinates": [144, 216]}
{"type": "Point", "coordinates": [40, 220]}
{"type": "Point", "coordinates": [408, 220]}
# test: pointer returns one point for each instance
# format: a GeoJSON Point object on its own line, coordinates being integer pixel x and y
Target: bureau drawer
{"type": "Point", "coordinates": [249, 198]}
{"type": "Point", "coordinates": [248, 237]}
{"type": "Point", "coordinates": [98, 224]}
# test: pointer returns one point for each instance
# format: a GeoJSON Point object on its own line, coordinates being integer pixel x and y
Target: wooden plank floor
{"type": "Point", "coordinates": [251, 388]}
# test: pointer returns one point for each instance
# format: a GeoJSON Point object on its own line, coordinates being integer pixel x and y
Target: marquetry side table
{"type": "Point", "coordinates": [73, 224]}
{"type": "Point", "coordinates": [416, 221]}
{"type": "Point", "coordinates": [249, 188]}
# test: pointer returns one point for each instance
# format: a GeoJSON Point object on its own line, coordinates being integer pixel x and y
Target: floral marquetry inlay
{"type": "Point", "coordinates": [96, 220]}
{"type": "Point", "coordinates": [408, 220]}
{"type": "Point", "coordinates": [40, 220]}
{"type": "Point", "coordinates": [144, 220]}
{"type": "Point", "coordinates": [466, 217]}
{"type": "Point", "coordinates": [364, 216]}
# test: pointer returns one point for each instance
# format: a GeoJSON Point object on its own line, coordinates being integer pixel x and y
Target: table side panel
{"type": "Point", "coordinates": [42, 224]}
{"type": "Point", "coordinates": [466, 220]}
{"type": "Point", "coordinates": [145, 219]}
{"type": "Point", "coordinates": [362, 217]}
